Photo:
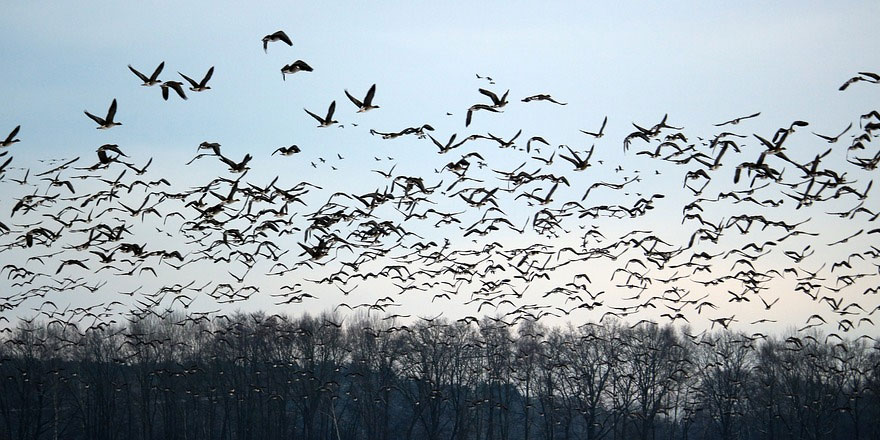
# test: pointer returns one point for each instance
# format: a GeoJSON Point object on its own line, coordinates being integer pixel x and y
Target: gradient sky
{"type": "Point", "coordinates": [699, 62]}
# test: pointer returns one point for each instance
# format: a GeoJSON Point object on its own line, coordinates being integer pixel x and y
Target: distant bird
{"type": "Point", "coordinates": [202, 85]}
{"type": "Point", "coordinates": [599, 133]}
{"type": "Point", "coordinates": [328, 120]}
{"type": "Point", "coordinates": [735, 121]}
{"type": "Point", "coordinates": [237, 167]}
{"type": "Point", "coordinates": [287, 151]}
{"type": "Point", "coordinates": [367, 103]}
{"type": "Point", "coordinates": [276, 36]}
{"type": "Point", "coordinates": [153, 79]}
{"type": "Point", "coordinates": [11, 138]}
{"type": "Point", "coordinates": [475, 107]}
{"type": "Point", "coordinates": [496, 101]}
{"type": "Point", "coordinates": [296, 66]}
{"type": "Point", "coordinates": [177, 86]}
{"type": "Point", "coordinates": [107, 121]}
{"type": "Point", "coordinates": [542, 97]}
{"type": "Point", "coordinates": [833, 139]}
{"type": "Point", "coordinates": [863, 76]}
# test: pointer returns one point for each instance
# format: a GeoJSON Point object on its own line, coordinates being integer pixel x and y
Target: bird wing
{"type": "Point", "coordinates": [318, 118]}
{"type": "Point", "coordinates": [94, 118]}
{"type": "Point", "coordinates": [491, 96]}
{"type": "Point", "coordinates": [189, 80]}
{"type": "Point", "coordinates": [368, 100]}
{"type": "Point", "coordinates": [354, 100]}
{"type": "Point", "coordinates": [157, 71]}
{"type": "Point", "coordinates": [139, 75]}
{"type": "Point", "coordinates": [207, 76]}
{"type": "Point", "coordinates": [330, 111]}
{"type": "Point", "coordinates": [15, 132]}
{"type": "Point", "coordinates": [283, 37]}
{"type": "Point", "coordinates": [111, 112]}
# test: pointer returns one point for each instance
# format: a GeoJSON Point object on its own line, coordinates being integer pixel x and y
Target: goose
{"type": "Point", "coordinates": [287, 151]}
{"type": "Point", "coordinates": [328, 120]}
{"type": "Point", "coordinates": [202, 85]}
{"type": "Point", "coordinates": [176, 85]}
{"type": "Point", "coordinates": [153, 79]}
{"type": "Point", "coordinates": [542, 97]}
{"type": "Point", "coordinates": [107, 121]}
{"type": "Point", "coordinates": [496, 101]}
{"type": "Point", "coordinates": [11, 138]}
{"type": "Point", "coordinates": [735, 121]}
{"type": "Point", "coordinates": [367, 103]}
{"type": "Point", "coordinates": [599, 133]}
{"type": "Point", "coordinates": [275, 36]}
{"type": "Point", "coordinates": [296, 66]}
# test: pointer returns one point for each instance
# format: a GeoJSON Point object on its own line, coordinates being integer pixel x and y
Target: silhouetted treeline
{"type": "Point", "coordinates": [251, 376]}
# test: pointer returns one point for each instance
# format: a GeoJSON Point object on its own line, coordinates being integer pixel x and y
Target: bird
{"type": "Point", "coordinates": [177, 86]}
{"type": "Point", "coordinates": [367, 103]}
{"type": "Point", "coordinates": [153, 79]}
{"type": "Point", "coordinates": [199, 86]}
{"type": "Point", "coordinates": [275, 36]}
{"type": "Point", "coordinates": [496, 101]}
{"type": "Point", "coordinates": [287, 151]}
{"type": "Point", "coordinates": [862, 76]}
{"type": "Point", "coordinates": [10, 139]}
{"type": "Point", "coordinates": [296, 66]}
{"type": "Point", "coordinates": [475, 107]}
{"type": "Point", "coordinates": [599, 133]}
{"type": "Point", "coordinates": [237, 167]}
{"type": "Point", "coordinates": [735, 121]}
{"type": "Point", "coordinates": [325, 121]}
{"type": "Point", "coordinates": [542, 97]}
{"type": "Point", "coordinates": [833, 139]}
{"type": "Point", "coordinates": [107, 121]}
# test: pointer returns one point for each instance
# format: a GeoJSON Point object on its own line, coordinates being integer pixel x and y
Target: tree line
{"type": "Point", "coordinates": [253, 376]}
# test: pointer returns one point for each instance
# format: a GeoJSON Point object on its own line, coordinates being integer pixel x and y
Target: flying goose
{"type": "Point", "coordinates": [202, 85]}
{"type": "Point", "coordinates": [153, 79]}
{"type": "Point", "coordinates": [296, 66]}
{"type": "Point", "coordinates": [327, 121]}
{"type": "Point", "coordinates": [276, 36]}
{"type": "Point", "coordinates": [367, 103]}
{"type": "Point", "coordinates": [11, 138]}
{"type": "Point", "coordinates": [107, 121]}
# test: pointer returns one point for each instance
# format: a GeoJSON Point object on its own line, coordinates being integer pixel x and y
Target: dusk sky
{"type": "Point", "coordinates": [700, 63]}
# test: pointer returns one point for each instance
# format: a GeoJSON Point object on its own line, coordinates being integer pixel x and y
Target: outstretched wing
{"type": "Point", "coordinates": [189, 80]}
{"type": "Point", "coordinates": [158, 70]}
{"type": "Point", "coordinates": [139, 75]}
{"type": "Point", "coordinates": [356, 101]}
{"type": "Point", "coordinates": [207, 76]}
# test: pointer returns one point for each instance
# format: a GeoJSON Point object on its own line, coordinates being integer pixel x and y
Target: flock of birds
{"type": "Point", "coordinates": [458, 238]}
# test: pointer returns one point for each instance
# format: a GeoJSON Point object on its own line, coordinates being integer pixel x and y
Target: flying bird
{"type": "Point", "coordinates": [296, 66]}
{"type": "Point", "coordinates": [735, 121]}
{"type": "Point", "coordinates": [496, 101]}
{"type": "Point", "coordinates": [862, 76]}
{"type": "Point", "coordinates": [199, 86]}
{"type": "Point", "coordinates": [275, 36]}
{"type": "Point", "coordinates": [107, 121]}
{"type": "Point", "coordinates": [599, 133]}
{"type": "Point", "coordinates": [177, 86]}
{"type": "Point", "coordinates": [367, 103]}
{"type": "Point", "coordinates": [11, 138]}
{"type": "Point", "coordinates": [328, 120]}
{"type": "Point", "coordinates": [542, 97]}
{"type": "Point", "coordinates": [153, 79]}
{"type": "Point", "coordinates": [833, 139]}
{"type": "Point", "coordinates": [287, 151]}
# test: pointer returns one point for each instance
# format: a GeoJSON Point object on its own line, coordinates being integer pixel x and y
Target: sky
{"type": "Point", "coordinates": [700, 63]}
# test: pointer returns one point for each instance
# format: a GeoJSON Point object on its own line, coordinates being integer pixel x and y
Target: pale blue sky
{"type": "Point", "coordinates": [700, 62]}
